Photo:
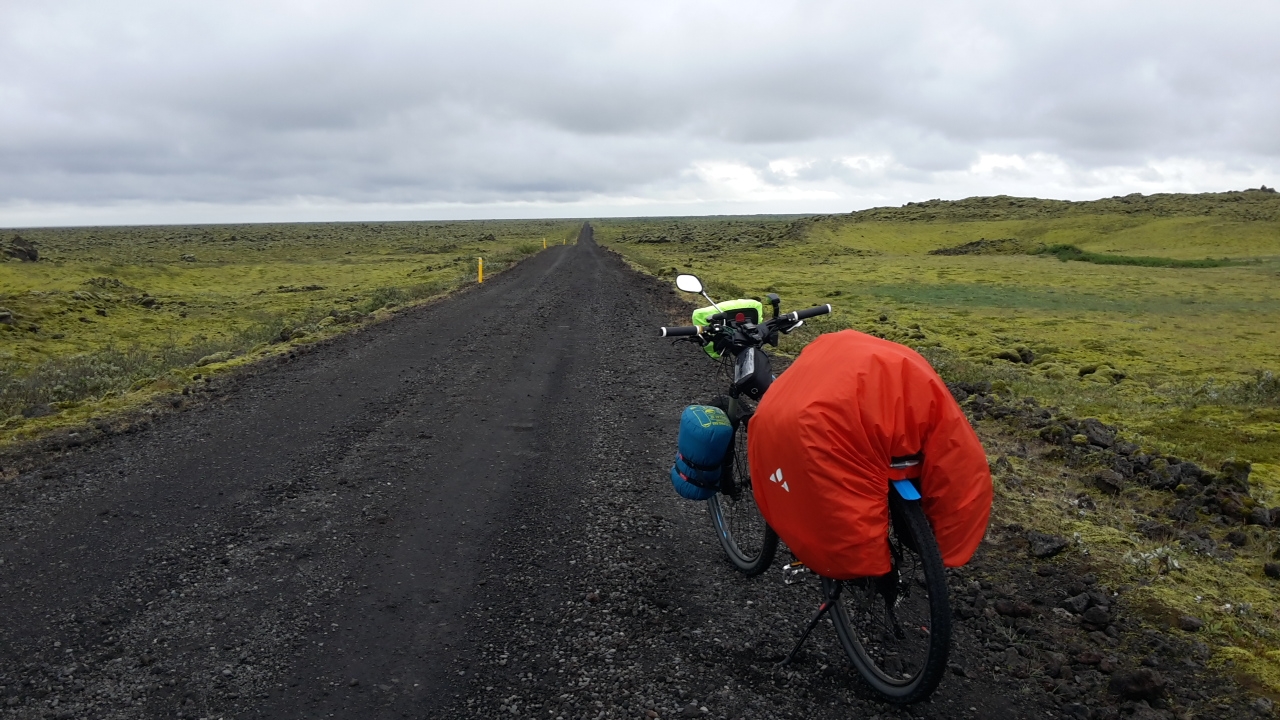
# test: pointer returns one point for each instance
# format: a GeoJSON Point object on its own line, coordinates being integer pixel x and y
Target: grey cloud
{"type": "Point", "coordinates": [492, 103]}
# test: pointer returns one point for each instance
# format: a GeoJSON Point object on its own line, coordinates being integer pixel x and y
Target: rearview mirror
{"type": "Point", "coordinates": [689, 283]}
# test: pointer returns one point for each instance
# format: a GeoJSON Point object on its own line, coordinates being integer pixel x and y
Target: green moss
{"type": "Point", "coordinates": [1071, 252]}
{"type": "Point", "coordinates": [1262, 665]}
{"type": "Point", "coordinates": [107, 313]}
{"type": "Point", "coordinates": [1187, 354]}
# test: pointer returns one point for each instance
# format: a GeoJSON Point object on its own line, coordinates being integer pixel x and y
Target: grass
{"type": "Point", "coordinates": [109, 316]}
{"type": "Point", "coordinates": [1181, 352]}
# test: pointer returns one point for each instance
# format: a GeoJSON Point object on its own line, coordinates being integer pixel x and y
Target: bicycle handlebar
{"type": "Point", "coordinates": [723, 328]}
{"type": "Point", "coordinates": [811, 312]}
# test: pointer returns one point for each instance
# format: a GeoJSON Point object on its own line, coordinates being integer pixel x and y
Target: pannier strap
{"type": "Point", "coordinates": [704, 485]}
{"type": "Point", "coordinates": [696, 466]}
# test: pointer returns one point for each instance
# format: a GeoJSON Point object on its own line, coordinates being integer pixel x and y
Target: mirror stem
{"type": "Point", "coordinates": [713, 302]}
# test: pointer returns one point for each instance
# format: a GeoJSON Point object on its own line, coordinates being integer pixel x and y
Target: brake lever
{"type": "Point", "coordinates": [793, 327]}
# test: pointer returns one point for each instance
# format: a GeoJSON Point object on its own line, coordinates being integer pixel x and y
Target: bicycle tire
{"type": "Point", "coordinates": [864, 627]}
{"type": "Point", "coordinates": [747, 539]}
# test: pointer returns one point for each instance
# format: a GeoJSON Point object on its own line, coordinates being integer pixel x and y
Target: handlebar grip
{"type": "Point", "coordinates": [810, 312]}
{"type": "Point", "coordinates": [681, 331]}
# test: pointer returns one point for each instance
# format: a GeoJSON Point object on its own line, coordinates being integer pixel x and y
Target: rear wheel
{"type": "Point", "coordinates": [747, 539]}
{"type": "Point", "coordinates": [896, 629]}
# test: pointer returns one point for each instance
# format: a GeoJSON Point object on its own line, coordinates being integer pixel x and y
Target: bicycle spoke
{"type": "Point", "coordinates": [890, 617]}
{"type": "Point", "coordinates": [745, 522]}
{"type": "Point", "coordinates": [746, 537]}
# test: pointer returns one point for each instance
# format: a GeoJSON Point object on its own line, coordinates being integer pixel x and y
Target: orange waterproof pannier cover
{"type": "Point", "coordinates": [820, 445]}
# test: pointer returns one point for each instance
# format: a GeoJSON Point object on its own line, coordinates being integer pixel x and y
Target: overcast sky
{"type": "Point", "coordinates": [167, 111]}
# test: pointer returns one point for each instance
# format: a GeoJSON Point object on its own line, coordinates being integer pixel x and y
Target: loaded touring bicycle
{"type": "Point", "coordinates": [896, 627]}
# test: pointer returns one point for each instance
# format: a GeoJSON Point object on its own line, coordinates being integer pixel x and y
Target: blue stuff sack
{"type": "Point", "coordinates": [705, 434]}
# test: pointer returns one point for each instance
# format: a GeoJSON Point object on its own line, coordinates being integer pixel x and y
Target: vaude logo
{"type": "Point", "coordinates": [777, 478]}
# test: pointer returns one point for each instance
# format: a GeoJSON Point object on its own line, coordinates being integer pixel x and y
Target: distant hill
{"type": "Point", "coordinates": [1255, 204]}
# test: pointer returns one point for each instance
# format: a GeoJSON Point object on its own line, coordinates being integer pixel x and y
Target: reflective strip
{"type": "Point", "coordinates": [906, 489]}
{"type": "Point", "coordinates": [907, 473]}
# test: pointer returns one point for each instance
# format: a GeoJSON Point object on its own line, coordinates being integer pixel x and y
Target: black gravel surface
{"type": "Point", "coordinates": [462, 512]}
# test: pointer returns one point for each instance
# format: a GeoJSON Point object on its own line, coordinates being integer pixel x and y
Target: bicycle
{"type": "Point", "coordinates": [733, 333]}
{"type": "Point", "coordinates": [895, 628]}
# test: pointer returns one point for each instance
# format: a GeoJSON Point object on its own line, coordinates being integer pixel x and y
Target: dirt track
{"type": "Point", "coordinates": [461, 512]}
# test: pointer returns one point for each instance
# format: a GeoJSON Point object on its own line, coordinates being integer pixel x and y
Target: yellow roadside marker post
{"type": "Point", "coordinates": [544, 243]}
{"type": "Point", "coordinates": [480, 270]}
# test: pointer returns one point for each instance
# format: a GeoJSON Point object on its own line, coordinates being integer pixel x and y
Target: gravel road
{"type": "Point", "coordinates": [462, 512]}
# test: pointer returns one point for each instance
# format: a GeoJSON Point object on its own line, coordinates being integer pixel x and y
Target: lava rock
{"type": "Point", "coordinates": [1143, 711]}
{"type": "Point", "coordinates": [1190, 623]}
{"type": "Point", "coordinates": [1153, 530]}
{"type": "Point", "coordinates": [1109, 481]}
{"type": "Point", "coordinates": [1272, 570]}
{"type": "Point", "coordinates": [1183, 512]}
{"type": "Point", "coordinates": [1191, 472]}
{"type": "Point", "coordinates": [1089, 657]}
{"type": "Point", "coordinates": [1054, 434]}
{"type": "Point", "coordinates": [1042, 545]}
{"type": "Point", "coordinates": [1078, 710]}
{"type": "Point", "coordinates": [1235, 474]}
{"type": "Point", "coordinates": [1014, 608]}
{"type": "Point", "coordinates": [1125, 448]}
{"type": "Point", "coordinates": [1164, 475]}
{"type": "Point", "coordinates": [1231, 505]}
{"type": "Point", "coordinates": [1096, 617]}
{"type": "Point", "coordinates": [1077, 603]}
{"type": "Point", "coordinates": [20, 249]}
{"type": "Point", "coordinates": [1141, 684]}
{"type": "Point", "coordinates": [1097, 433]}
{"type": "Point", "coordinates": [1260, 516]}
{"type": "Point", "coordinates": [1237, 538]}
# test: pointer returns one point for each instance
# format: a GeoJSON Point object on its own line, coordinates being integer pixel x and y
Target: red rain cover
{"type": "Point", "coordinates": [820, 444]}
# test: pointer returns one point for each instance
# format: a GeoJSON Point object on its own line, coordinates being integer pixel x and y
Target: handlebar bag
{"type": "Point", "coordinates": [705, 434]}
{"type": "Point", "coordinates": [752, 310]}
{"type": "Point", "coordinates": [822, 441]}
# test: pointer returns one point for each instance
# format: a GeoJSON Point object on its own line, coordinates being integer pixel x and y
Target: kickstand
{"type": "Point", "coordinates": [831, 589]}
